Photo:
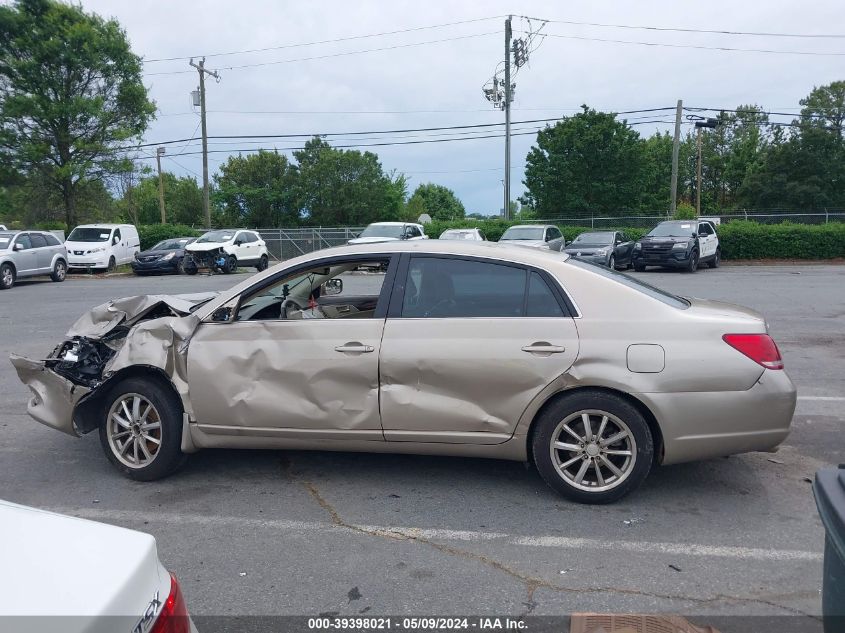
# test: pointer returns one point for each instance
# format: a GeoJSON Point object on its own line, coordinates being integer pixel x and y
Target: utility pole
{"type": "Point", "coordinates": [708, 123]}
{"type": "Point", "coordinates": [202, 71]}
{"type": "Point", "coordinates": [507, 208]}
{"type": "Point", "coordinates": [676, 146]}
{"type": "Point", "coordinates": [159, 154]}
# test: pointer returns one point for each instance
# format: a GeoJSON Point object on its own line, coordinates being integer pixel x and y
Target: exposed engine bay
{"type": "Point", "coordinates": [82, 360]}
{"type": "Point", "coordinates": [216, 260]}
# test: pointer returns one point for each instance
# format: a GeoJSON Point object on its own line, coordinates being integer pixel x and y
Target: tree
{"type": "Point", "coordinates": [588, 163]}
{"type": "Point", "coordinates": [824, 108]}
{"type": "Point", "coordinates": [344, 187]}
{"type": "Point", "coordinates": [438, 201]}
{"type": "Point", "coordinates": [258, 190]}
{"type": "Point", "coordinates": [182, 199]}
{"type": "Point", "coordinates": [657, 173]}
{"type": "Point", "coordinates": [72, 95]}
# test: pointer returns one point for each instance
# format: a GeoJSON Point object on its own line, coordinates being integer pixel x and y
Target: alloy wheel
{"type": "Point", "coordinates": [593, 450]}
{"type": "Point", "coordinates": [134, 430]}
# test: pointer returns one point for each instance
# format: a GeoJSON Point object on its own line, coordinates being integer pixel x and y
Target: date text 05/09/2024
{"type": "Point", "coordinates": [417, 623]}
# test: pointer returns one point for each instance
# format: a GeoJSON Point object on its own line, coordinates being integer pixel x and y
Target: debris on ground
{"type": "Point", "coordinates": [675, 567]}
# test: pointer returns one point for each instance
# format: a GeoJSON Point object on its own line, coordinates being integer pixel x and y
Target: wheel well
{"type": "Point", "coordinates": [653, 426]}
{"type": "Point", "coordinates": [85, 415]}
{"type": "Point", "coordinates": [12, 266]}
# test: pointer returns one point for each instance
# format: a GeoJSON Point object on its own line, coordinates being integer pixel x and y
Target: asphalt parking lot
{"type": "Point", "coordinates": [261, 533]}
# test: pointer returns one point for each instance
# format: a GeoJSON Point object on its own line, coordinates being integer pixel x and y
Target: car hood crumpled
{"type": "Point", "coordinates": [101, 320]}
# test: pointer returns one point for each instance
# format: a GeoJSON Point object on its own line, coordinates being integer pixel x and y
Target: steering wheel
{"type": "Point", "coordinates": [288, 303]}
{"type": "Point", "coordinates": [443, 303]}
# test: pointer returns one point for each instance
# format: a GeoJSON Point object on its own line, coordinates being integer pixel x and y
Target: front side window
{"type": "Point", "coordinates": [24, 240]}
{"type": "Point", "coordinates": [448, 287]}
{"type": "Point", "coordinates": [339, 290]}
{"type": "Point", "coordinates": [554, 233]}
{"type": "Point", "coordinates": [116, 237]}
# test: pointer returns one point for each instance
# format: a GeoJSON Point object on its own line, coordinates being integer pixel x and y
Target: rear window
{"type": "Point", "coordinates": [647, 289]}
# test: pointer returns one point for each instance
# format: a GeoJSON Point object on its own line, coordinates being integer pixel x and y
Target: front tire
{"type": "Point", "coordinates": [592, 447]}
{"type": "Point", "coordinates": [692, 265]}
{"type": "Point", "coordinates": [7, 276]}
{"type": "Point", "coordinates": [141, 429]}
{"type": "Point", "coordinates": [262, 264]}
{"type": "Point", "coordinates": [112, 265]}
{"type": "Point", "coordinates": [231, 265]}
{"type": "Point", "coordinates": [639, 267]}
{"type": "Point", "coordinates": [59, 271]}
{"type": "Point", "coordinates": [611, 263]}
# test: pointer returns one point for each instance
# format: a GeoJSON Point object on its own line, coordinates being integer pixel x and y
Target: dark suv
{"type": "Point", "coordinates": [678, 244]}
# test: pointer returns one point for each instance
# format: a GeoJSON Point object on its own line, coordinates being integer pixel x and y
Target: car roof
{"type": "Point", "coordinates": [390, 223]}
{"type": "Point", "coordinates": [531, 226]}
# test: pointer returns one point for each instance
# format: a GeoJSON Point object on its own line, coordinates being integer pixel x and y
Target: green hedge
{"type": "Point", "coordinates": [739, 239]}
{"type": "Point", "coordinates": [749, 240]}
{"type": "Point", "coordinates": [152, 234]}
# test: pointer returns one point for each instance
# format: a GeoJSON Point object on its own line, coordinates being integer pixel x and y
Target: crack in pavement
{"type": "Point", "coordinates": [531, 583]}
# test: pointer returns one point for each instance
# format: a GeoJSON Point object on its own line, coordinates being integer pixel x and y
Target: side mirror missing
{"type": "Point", "coordinates": [333, 287]}
{"type": "Point", "coordinates": [221, 315]}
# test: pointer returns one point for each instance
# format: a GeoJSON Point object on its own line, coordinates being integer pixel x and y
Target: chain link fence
{"type": "Point", "coordinates": [647, 221]}
{"type": "Point", "coordinates": [287, 243]}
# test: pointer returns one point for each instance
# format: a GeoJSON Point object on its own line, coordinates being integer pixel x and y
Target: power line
{"type": "Point", "coordinates": [331, 55]}
{"type": "Point", "coordinates": [395, 131]}
{"type": "Point", "coordinates": [331, 41]}
{"type": "Point", "coordinates": [392, 143]}
{"type": "Point", "coordinates": [709, 31]}
{"type": "Point", "coordinates": [693, 46]}
{"type": "Point", "coordinates": [747, 111]}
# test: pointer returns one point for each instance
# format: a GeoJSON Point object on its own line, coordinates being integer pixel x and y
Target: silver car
{"type": "Point", "coordinates": [29, 254]}
{"type": "Point", "coordinates": [534, 236]}
{"type": "Point", "coordinates": [472, 235]}
{"type": "Point", "coordinates": [428, 347]}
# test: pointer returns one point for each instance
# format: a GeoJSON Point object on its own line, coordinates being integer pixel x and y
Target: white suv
{"type": "Point", "coordinates": [226, 249]}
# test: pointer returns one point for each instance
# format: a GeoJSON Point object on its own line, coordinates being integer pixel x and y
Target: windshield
{"type": "Point", "coordinates": [594, 238]}
{"type": "Point", "coordinates": [673, 229]}
{"type": "Point", "coordinates": [171, 245]}
{"type": "Point", "coordinates": [524, 233]}
{"type": "Point", "coordinates": [383, 230]}
{"type": "Point", "coordinates": [458, 235]}
{"type": "Point", "coordinates": [647, 289]}
{"type": "Point", "coordinates": [216, 236]}
{"type": "Point", "coordinates": [89, 234]}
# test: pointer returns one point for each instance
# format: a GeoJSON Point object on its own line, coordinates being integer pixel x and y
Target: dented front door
{"type": "Point", "coordinates": [298, 378]}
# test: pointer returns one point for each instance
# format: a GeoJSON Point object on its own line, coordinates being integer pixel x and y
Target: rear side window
{"type": "Point", "coordinates": [38, 240]}
{"type": "Point", "coordinates": [541, 299]}
{"type": "Point", "coordinates": [441, 287]}
{"type": "Point", "coordinates": [52, 240]}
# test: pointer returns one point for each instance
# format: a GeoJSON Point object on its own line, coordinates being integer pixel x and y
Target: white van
{"type": "Point", "coordinates": [102, 245]}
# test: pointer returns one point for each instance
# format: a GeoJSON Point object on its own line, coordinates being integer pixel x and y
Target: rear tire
{"type": "Point", "coordinates": [7, 276]}
{"type": "Point", "coordinates": [59, 271]}
{"type": "Point", "coordinates": [576, 459]}
{"type": "Point", "coordinates": [717, 259]}
{"type": "Point", "coordinates": [143, 443]}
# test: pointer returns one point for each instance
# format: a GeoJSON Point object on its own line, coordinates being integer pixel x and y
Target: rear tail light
{"type": "Point", "coordinates": [758, 347]}
{"type": "Point", "coordinates": [173, 617]}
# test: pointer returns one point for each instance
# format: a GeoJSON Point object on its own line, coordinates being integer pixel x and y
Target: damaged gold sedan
{"type": "Point", "coordinates": [442, 348]}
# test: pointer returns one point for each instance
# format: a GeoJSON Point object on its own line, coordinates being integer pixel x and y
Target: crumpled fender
{"type": "Point", "coordinates": [159, 343]}
{"type": "Point", "coordinates": [101, 320]}
{"type": "Point", "coordinates": [53, 398]}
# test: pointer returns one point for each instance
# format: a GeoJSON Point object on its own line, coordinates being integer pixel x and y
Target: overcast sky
{"type": "Point", "coordinates": [439, 84]}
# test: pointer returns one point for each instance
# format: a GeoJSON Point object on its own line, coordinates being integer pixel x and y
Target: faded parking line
{"type": "Point", "coordinates": [557, 542]}
{"type": "Point", "coordinates": [823, 398]}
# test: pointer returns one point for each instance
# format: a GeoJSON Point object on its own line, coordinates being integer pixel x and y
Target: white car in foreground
{"type": "Point", "coordinates": [69, 575]}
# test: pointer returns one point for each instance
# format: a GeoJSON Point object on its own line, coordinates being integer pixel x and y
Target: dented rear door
{"type": "Point", "coordinates": [471, 344]}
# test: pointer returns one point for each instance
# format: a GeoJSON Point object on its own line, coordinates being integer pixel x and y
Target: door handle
{"type": "Point", "coordinates": [354, 347]}
{"type": "Point", "coordinates": [543, 348]}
